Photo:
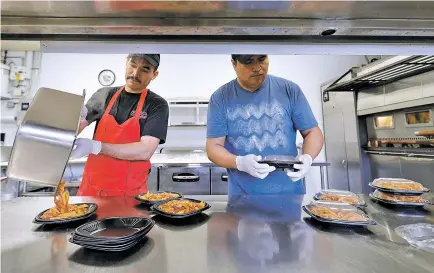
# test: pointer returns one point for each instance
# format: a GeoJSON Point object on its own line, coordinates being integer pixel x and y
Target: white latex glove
{"type": "Point", "coordinates": [84, 147]}
{"type": "Point", "coordinates": [303, 168]}
{"type": "Point", "coordinates": [83, 114]}
{"type": "Point", "coordinates": [250, 165]}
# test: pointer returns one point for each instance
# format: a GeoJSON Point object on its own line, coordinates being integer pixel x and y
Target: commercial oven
{"type": "Point", "coordinates": [185, 180]}
{"type": "Point", "coordinates": [378, 122]}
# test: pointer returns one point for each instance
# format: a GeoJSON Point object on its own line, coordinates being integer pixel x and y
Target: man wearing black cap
{"type": "Point", "coordinates": [257, 115]}
{"type": "Point", "coordinates": [131, 121]}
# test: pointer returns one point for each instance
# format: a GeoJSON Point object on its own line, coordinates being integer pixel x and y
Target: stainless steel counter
{"type": "Point", "coordinates": [248, 234]}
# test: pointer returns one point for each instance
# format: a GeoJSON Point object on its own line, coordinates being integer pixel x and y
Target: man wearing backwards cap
{"type": "Point", "coordinates": [257, 115]}
{"type": "Point", "coordinates": [130, 123]}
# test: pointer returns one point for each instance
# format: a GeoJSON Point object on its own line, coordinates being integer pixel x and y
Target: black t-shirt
{"type": "Point", "coordinates": [153, 119]}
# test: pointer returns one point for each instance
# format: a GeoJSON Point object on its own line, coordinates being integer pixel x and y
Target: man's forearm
{"type": "Point", "coordinates": [313, 143]}
{"type": "Point", "coordinates": [221, 157]}
{"type": "Point", "coordinates": [131, 151]}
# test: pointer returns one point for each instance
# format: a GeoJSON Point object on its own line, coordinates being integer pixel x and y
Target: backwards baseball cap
{"type": "Point", "coordinates": [243, 58]}
{"type": "Point", "coordinates": [153, 59]}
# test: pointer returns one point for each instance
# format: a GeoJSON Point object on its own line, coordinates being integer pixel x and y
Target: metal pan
{"type": "Point", "coordinates": [374, 185]}
{"type": "Point", "coordinates": [399, 203]}
{"type": "Point", "coordinates": [338, 206]}
{"type": "Point", "coordinates": [92, 207]}
{"type": "Point", "coordinates": [155, 208]}
{"type": "Point", "coordinates": [361, 202]}
{"type": "Point", "coordinates": [150, 203]}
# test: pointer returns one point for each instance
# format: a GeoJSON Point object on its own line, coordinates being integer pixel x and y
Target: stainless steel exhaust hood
{"type": "Point", "coordinates": [304, 20]}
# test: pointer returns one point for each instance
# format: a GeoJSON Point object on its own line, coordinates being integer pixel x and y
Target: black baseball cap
{"type": "Point", "coordinates": [153, 59]}
{"type": "Point", "coordinates": [243, 58]}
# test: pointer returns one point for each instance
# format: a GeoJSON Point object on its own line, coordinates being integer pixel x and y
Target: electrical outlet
{"type": "Point", "coordinates": [10, 104]}
{"type": "Point", "coordinates": [19, 73]}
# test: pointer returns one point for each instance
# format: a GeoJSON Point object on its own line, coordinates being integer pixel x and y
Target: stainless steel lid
{"type": "Point", "coordinates": [45, 137]}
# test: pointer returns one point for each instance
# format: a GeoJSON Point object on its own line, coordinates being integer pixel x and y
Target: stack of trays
{"type": "Point", "coordinates": [112, 234]}
{"type": "Point", "coordinates": [397, 191]}
{"type": "Point", "coordinates": [337, 213]}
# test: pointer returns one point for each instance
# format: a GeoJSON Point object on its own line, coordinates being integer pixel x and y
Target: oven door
{"type": "Point", "coordinates": [219, 181]}
{"type": "Point", "coordinates": [194, 181]}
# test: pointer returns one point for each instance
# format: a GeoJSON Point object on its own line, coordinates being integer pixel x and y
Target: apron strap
{"type": "Point", "coordinates": [113, 100]}
{"type": "Point", "coordinates": [141, 103]}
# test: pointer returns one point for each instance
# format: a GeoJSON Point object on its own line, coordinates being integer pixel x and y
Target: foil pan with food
{"type": "Point", "coordinates": [337, 213]}
{"type": "Point", "coordinates": [398, 186]}
{"type": "Point", "coordinates": [396, 199]}
{"type": "Point", "coordinates": [340, 197]}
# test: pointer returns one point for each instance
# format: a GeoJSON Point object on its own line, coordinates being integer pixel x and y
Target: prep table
{"type": "Point", "coordinates": [246, 234]}
{"type": "Point", "coordinates": [169, 162]}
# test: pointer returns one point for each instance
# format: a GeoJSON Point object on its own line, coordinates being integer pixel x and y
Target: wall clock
{"type": "Point", "coordinates": [106, 77]}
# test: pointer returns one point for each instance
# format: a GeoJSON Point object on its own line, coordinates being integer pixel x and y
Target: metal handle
{"type": "Point", "coordinates": [344, 162]}
{"type": "Point", "coordinates": [185, 177]}
{"type": "Point", "coordinates": [224, 177]}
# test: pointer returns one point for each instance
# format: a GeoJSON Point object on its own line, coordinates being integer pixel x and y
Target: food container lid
{"type": "Point", "coordinates": [280, 161]}
{"type": "Point", "coordinates": [377, 185]}
{"type": "Point", "coordinates": [379, 195]}
{"type": "Point", "coordinates": [420, 235]}
{"type": "Point", "coordinates": [342, 207]}
{"type": "Point", "coordinates": [339, 193]}
{"type": "Point", "coordinates": [281, 158]}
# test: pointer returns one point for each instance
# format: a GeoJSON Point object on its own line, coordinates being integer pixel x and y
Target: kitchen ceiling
{"type": "Point", "coordinates": [368, 21]}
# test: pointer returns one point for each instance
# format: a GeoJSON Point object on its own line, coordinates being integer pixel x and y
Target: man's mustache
{"type": "Point", "coordinates": [136, 79]}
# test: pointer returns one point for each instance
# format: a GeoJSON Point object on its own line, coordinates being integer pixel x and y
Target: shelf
{"type": "Point", "coordinates": [188, 105]}
{"type": "Point", "coordinates": [407, 152]}
{"type": "Point", "coordinates": [188, 125]}
{"type": "Point", "coordinates": [382, 72]}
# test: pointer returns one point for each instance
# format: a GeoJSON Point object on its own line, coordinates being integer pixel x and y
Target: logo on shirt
{"type": "Point", "coordinates": [258, 126]}
{"type": "Point", "coordinates": [143, 114]}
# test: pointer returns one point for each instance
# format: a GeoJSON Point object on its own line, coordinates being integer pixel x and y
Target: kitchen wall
{"type": "Point", "coordinates": [194, 75]}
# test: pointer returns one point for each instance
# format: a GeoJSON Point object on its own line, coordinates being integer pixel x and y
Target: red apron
{"type": "Point", "coordinates": [107, 176]}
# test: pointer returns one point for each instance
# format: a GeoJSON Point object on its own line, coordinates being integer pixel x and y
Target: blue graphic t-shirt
{"type": "Point", "coordinates": [263, 123]}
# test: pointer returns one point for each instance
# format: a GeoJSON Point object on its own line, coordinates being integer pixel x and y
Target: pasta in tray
{"type": "Point", "coordinates": [399, 198]}
{"type": "Point", "coordinates": [337, 198]}
{"type": "Point", "coordinates": [63, 210]}
{"type": "Point", "coordinates": [336, 214]}
{"type": "Point", "coordinates": [181, 206]}
{"type": "Point", "coordinates": [395, 185]}
{"type": "Point", "coordinates": [158, 196]}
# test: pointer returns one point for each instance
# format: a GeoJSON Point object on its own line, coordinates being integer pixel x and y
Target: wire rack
{"type": "Point", "coordinates": [401, 69]}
